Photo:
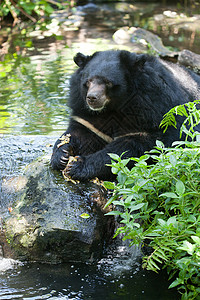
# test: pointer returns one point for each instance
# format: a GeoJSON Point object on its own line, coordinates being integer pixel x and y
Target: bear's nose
{"type": "Point", "coordinates": [92, 98]}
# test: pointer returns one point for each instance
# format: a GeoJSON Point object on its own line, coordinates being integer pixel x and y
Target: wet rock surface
{"type": "Point", "coordinates": [45, 223]}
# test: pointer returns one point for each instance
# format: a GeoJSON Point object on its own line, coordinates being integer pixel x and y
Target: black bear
{"type": "Point", "coordinates": [118, 100]}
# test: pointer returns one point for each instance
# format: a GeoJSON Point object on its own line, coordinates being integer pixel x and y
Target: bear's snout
{"type": "Point", "coordinates": [92, 97]}
{"type": "Point", "coordinates": [96, 97]}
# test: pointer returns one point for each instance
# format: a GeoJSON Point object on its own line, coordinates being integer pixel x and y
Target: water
{"type": "Point", "coordinates": [33, 113]}
{"type": "Point", "coordinates": [109, 279]}
{"type": "Point", "coordinates": [33, 97]}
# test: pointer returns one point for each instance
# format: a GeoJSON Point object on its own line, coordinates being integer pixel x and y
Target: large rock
{"type": "Point", "coordinates": [144, 38]}
{"type": "Point", "coordinates": [189, 59]}
{"type": "Point", "coordinates": [46, 223]}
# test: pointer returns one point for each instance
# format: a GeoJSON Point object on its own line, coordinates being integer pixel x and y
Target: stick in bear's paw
{"type": "Point", "coordinates": [66, 171]}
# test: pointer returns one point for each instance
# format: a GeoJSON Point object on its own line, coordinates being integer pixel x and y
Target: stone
{"type": "Point", "coordinates": [189, 59]}
{"type": "Point", "coordinates": [145, 38]}
{"type": "Point", "coordinates": [153, 40]}
{"type": "Point", "coordinates": [47, 222]}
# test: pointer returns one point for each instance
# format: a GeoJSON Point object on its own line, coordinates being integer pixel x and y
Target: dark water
{"type": "Point", "coordinates": [33, 281]}
{"type": "Point", "coordinates": [34, 88]}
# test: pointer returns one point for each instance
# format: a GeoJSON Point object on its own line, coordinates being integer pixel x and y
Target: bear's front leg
{"type": "Point", "coordinates": [97, 164]}
{"type": "Point", "coordinates": [62, 150]}
{"type": "Point", "coordinates": [76, 169]}
{"type": "Point", "coordinates": [88, 167]}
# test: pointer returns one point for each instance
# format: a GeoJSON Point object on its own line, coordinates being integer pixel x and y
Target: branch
{"type": "Point", "coordinates": [53, 2]}
{"type": "Point", "coordinates": [12, 11]}
{"type": "Point", "coordinates": [23, 11]}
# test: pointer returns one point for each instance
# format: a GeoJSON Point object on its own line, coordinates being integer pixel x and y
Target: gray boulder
{"type": "Point", "coordinates": [47, 221]}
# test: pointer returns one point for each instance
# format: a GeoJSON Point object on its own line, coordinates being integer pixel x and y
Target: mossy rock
{"type": "Point", "coordinates": [47, 221]}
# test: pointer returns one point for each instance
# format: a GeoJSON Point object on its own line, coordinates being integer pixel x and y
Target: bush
{"type": "Point", "coordinates": [159, 204]}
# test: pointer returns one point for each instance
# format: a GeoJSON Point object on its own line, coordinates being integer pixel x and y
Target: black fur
{"type": "Point", "coordinates": [143, 88]}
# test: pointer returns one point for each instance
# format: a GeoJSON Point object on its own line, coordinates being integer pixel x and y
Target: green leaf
{"type": "Point", "coordinates": [113, 213]}
{"type": "Point", "coordinates": [192, 219]}
{"type": "Point", "coordinates": [114, 156]}
{"type": "Point", "coordinates": [173, 160]}
{"type": "Point", "coordinates": [114, 170]}
{"type": "Point", "coordinates": [153, 234]}
{"type": "Point", "coordinates": [124, 162]}
{"type": "Point", "coordinates": [160, 253]}
{"type": "Point", "coordinates": [136, 225]}
{"type": "Point", "coordinates": [85, 216]}
{"type": "Point", "coordinates": [121, 177]}
{"type": "Point", "coordinates": [180, 188]}
{"type": "Point", "coordinates": [155, 257]}
{"type": "Point", "coordinates": [167, 249]}
{"type": "Point", "coordinates": [171, 224]}
{"type": "Point", "coordinates": [162, 222]}
{"type": "Point", "coordinates": [109, 185]}
{"type": "Point", "coordinates": [196, 239]}
{"type": "Point", "coordinates": [136, 207]}
{"type": "Point", "coordinates": [159, 144]}
{"type": "Point", "coordinates": [176, 282]}
{"type": "Point", "coordinates": [151, 265]}
{"type": "Point", "coordinates": [129, 199]}
{"type": "Point", "coordinates": [109, 202]}
{"type": "Point", "coordinates": [188, 247]}
{"type": "Point", "coordinates": [48, 9]}
{"type": "Point", "coordinates": [116, 202]}
{"type": "Point", "coordinates": [172, 220]}
{"type": "Point", "coordinates": [142, 182]}
{"type": "Point", "coordinates": [169, 194]}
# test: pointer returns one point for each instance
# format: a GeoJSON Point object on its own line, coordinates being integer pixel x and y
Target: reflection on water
{"type": "Point", "coordinates": [33, 97]}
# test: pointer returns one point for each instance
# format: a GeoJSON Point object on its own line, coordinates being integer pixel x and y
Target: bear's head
{"type": "Point", "coordinates": [104, 78]}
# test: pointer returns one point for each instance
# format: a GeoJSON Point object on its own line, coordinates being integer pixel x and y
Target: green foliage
{"type": "Point", "coordinates": [159, 206]}
{"type": "Point", "coordinates": [187, 110]}
{"type": "Point", "coordinates": [24, 6]}
{"type": "Point", "coordinates": [29, 8]}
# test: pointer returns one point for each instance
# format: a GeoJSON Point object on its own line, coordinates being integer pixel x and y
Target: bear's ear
{"type": "Point", "coordinates": [131, 60]}
{"type": "Point", "coordinates": [81, 59]}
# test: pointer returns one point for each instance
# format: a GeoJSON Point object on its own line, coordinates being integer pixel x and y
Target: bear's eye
{"type": "Point", "coordinates": [109, 84]}
{"type": "Point", "coordinates": [86, 83]}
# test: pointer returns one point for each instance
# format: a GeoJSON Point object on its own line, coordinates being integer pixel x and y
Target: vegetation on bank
{"type": "Point", "coordinates": [32, 10]}
{"type": "Point", "coordinates": [159, 205]}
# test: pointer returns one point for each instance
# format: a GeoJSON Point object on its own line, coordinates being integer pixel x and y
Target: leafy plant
{"type": "Point", "coordinates": [159, 205]}
{"type": "Point", "coordinates": [29, 8]}
{"type": "Point", "coordinates": [24, 7]}
{"type": "Point", "coordinates": [191, 114]}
